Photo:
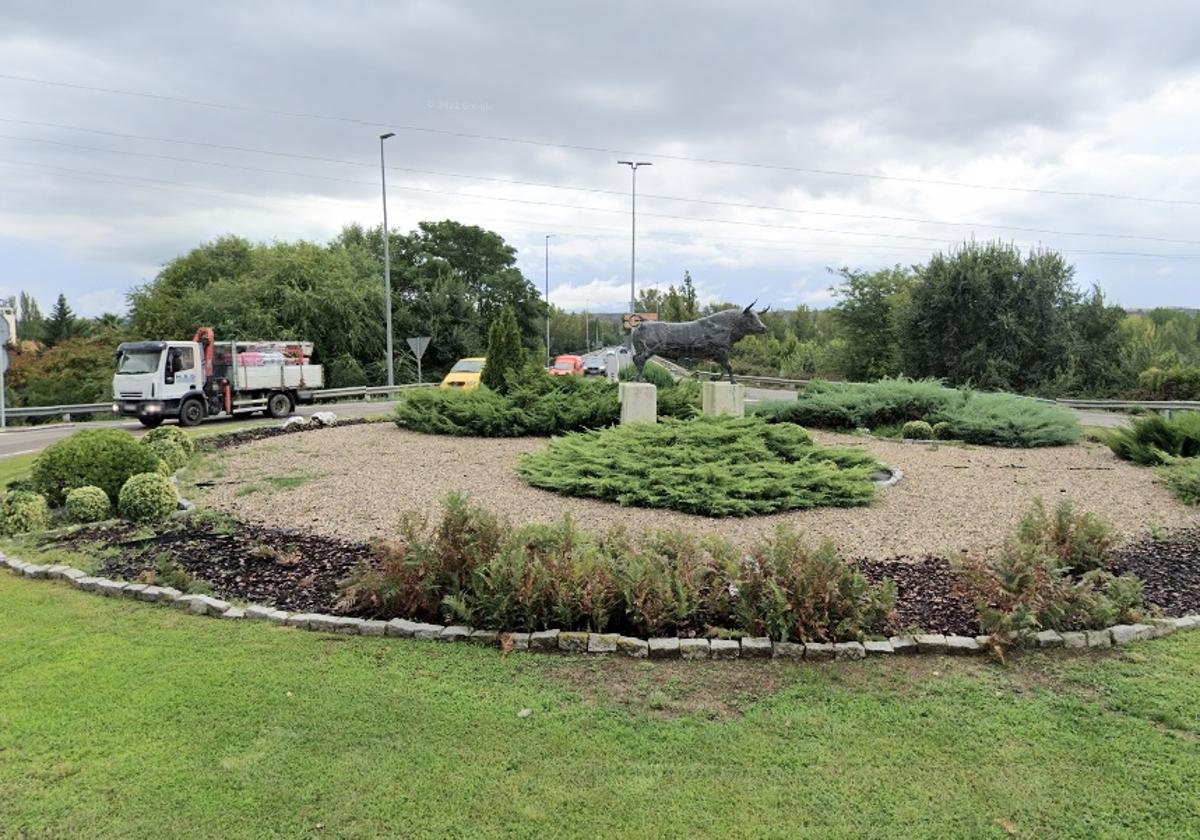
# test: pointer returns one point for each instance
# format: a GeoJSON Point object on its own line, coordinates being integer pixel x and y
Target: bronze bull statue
{"type": "Point", "coordinates": [709, 337]}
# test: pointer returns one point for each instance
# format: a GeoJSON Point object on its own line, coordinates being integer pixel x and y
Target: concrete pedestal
{"type": "Point", "coordinates": [639, 402]}
{"type": "Point", "coordinates": [723, 398]}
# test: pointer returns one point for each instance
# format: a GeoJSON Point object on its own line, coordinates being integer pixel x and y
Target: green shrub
{"type": "Point", "coordinates": [103, 458]}
{"type": "Point", "coordinates": [917, 430]}
{"type": "Point", "coordinates": [789, 590]}
{"type": "Point", "coordinates": [1022, 590]}
{"type": "Point", "coordinates": [88, 504]}
{"type": "Point", "coordinates": [345, 372]}
{"type": "Point", "coordinates": [1034, 583]}
{"type": "Point", "coordinates": [652, 373]}
{"type": "Point", "coordinates": [942, 431]}
{"type": "Point", "coordinates": [172, 433]}
{"type": "Point", "coordinates": [169, 451]}
{"type": "Point", "coordinates": [504, 352]}
{"type": "Point", "coordinates": [473, 568]}
{"type": "Point", "coordinates": [994, 419]}
{"type": "Point", "coordinates": [989, 419]}
{"type": "Point", "coordinates": [147, 497]}
{"type": "Point", "coordinates": [167, 572]}
{"type": "Point", "coordinates": [1078, 542]}
{"type": "Point", "coordinates": [714, 466]}
{"type": "Point", "coordinates": [1153, 440]}
{"type": "Point", "coordinates": [23, 511]}
{"type": "Point", "coordinates": [535, 404]}
{"type": "Point", "coordinates": [1178, 382]}
{"type": "Point", "coordinates": [1183, 477]}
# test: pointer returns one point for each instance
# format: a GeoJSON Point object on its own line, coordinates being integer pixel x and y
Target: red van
{"type": "Point", "coordinates": [567, 366]}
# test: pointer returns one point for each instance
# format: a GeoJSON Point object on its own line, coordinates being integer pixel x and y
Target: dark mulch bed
{"type": "Point", "coordinates": [1169, 569]}
{"type": "Point", "coordinates": [929, 594]}
{"type": "Point", "coordinates": [299, 571]}
{"type": "Point", "coordinates": [243, 436]}
{"type": "Point", "coordinates": [288, 569]}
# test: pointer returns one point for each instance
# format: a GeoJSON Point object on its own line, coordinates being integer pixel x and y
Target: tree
{"type": "Point", "coordinates": [867, 319]}
{"type": "Point", "coordinates": [988, 315]}
{"type": "Point", "coordinates": [680, 304]}
{"type": "Point", "coordinates": [504, 351]}
{"type": "Point", "coordinates": [62, 323]}
{"type": "Point", "coordinates": [31, 324]}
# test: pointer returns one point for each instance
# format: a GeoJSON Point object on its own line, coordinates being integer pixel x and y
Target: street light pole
{"type": "Point", "coordinates": [633, 168]}
{"type": "Point", "coordinates": [548, 235]}
{"type": "Point", "coordinates": [387, 264]}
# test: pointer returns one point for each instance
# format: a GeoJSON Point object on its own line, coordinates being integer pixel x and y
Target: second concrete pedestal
{"type": "Point", "coordinates": [639, 402]}
{"type": "Point", "coordinates": [723, 398]}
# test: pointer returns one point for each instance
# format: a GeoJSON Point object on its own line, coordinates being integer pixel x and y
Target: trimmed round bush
{"type": "Point", "coordinates": [942, 431]}
{"type": "Point", "coordinates": [23, 511]}
{"type": "Point", "coordinates": [916, 430]}
{"type": "Point", "coordinates": [88, 504]}
{"type": "Point", "coordinates": [103, 458]}
{"type": "Point", "coordinates": [147, 497]}
{"type": "Point", "coordinates": [172, 433]}
{"type": "Point", "coordinates": [169, 450]}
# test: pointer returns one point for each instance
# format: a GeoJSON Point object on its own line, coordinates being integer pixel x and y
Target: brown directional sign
{"type": "Point", "coordinates": [632, 319]}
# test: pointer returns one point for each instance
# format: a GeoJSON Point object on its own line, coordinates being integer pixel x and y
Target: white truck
{"type": "Point", "coordinates": [192, 380]}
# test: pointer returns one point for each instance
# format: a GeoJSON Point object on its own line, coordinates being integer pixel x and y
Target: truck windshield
{"type": "Point", "coordinates": [467, 366]}
{"type": "Point", "coordinates": [138, 361]}
{"type": "Point", "coordinates": [564, 364]}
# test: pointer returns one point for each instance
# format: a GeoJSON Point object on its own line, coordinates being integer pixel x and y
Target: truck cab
{"type": "Point", "coordinates": [153, 379]}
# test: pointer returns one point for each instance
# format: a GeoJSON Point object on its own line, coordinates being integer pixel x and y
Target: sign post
{"type": "Point", "coordinates": [631, 319]}
{"type": "Point", "coordinates": [4, 337]}
{"type": "Point", "coordinates": [418, 345]}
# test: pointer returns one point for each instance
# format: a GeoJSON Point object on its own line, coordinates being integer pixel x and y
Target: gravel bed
{"type": "Point", "coordinates": [354, 482]}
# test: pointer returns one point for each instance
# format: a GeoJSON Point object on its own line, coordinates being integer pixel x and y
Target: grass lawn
{"type": "Point", "coordinates": [124, 719]}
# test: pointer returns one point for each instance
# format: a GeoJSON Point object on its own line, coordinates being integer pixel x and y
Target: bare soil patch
{"type": "Point", "coordinates": [952, 499]}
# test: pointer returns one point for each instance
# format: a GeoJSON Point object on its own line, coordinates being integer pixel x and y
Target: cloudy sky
{"type": "Point", "coordinates": [784, 137]}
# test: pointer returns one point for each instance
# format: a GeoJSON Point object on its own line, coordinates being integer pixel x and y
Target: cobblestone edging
{"type": "Point", "coordinates": [597, 643]}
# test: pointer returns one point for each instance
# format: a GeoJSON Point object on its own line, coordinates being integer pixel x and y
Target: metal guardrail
{"type": "Point", "coordinates": [324, 395]}
{"type": "Point", "coordinates": [56, 410]}
{"type": "Point", "coordinates": [327, 394]}
{"type": "Point", "coordinates": [764, 381]}
{"type": "Point", "coordinates": [1119, 405]}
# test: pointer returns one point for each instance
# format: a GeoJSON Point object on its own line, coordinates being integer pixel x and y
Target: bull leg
{"type": "Point", "coordinates": [724, 362]}
{"type": "Point", "coordinates": [639, 362]}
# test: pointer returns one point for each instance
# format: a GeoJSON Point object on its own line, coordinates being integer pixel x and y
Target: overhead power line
{"type": "Point", "coordinates": [374, 123]}
{"type": "Point", "coordinates": [534, 184]}
{"type": "Point", "coordinates": [109, 177]}
{"type": "Point", "coordinates": [576, 188]}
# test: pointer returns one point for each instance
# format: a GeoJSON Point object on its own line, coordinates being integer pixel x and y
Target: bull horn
{"type": "Point", "coordinates": [765, 309]}
{"type": "Point", "coordinates": [751, 306]}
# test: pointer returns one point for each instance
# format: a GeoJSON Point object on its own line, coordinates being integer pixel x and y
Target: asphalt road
{"type": "Point", "coordinates": [28, 439]}
{"type": "Point", "coordinates": [23, 440]}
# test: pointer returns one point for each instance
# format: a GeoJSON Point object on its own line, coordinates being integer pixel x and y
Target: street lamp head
{"type": "Point", "coordinates": [643, 163]}
{"type": "Point", "coordinates": [386, 136]}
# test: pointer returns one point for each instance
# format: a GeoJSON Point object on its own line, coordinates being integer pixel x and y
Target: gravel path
{"type": "Point", "coordinates": [355, 482]}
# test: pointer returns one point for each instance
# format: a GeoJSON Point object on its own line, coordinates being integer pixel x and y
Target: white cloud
{"type": "Point", "coordinates": [99, 302]}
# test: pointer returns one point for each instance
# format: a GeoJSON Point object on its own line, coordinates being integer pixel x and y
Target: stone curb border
{"type": "Point", "coordinates": [547, 641]}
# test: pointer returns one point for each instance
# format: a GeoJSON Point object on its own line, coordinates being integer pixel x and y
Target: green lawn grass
{"type": "Point", "coordinates": [124, 719]}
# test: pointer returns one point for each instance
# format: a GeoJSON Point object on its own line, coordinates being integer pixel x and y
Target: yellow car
{"type": "Point", "coordinates": [465, 374]}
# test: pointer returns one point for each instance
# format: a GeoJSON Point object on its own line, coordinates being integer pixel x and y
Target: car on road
{"type": "Point", "coordinates": [567, 365]}
{"type": "Point", "coordinates": [465, 375]}
{"type": "Point", "coordinates": [593, 364]}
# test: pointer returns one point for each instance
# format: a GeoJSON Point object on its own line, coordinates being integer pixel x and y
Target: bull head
{"type": "Point", "coordinates": [750, 323]}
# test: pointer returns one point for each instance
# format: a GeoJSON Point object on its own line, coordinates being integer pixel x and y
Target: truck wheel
{"type": "Point", "coordinates": [279, 405]}
{"type": "Point", "coordinates": [150, 422]}
{"type": "Point", "coordinates": [191, 413]}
